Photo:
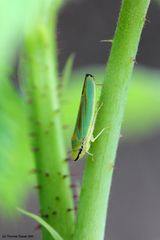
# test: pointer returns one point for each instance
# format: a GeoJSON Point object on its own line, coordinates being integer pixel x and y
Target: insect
{"type": "Point", "coordinates": [83, 132]}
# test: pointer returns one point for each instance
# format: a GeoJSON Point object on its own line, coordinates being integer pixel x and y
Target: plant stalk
{"type": "Point", "coordinates": [41, 80]}
{"type": "Point", "coordinates": [97, 177]}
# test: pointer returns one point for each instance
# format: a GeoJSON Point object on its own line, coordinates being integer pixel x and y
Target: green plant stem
{"type": "Point", "coordinates": [40, 71]}
{"type": "Point", "coordinates": [98, 173]}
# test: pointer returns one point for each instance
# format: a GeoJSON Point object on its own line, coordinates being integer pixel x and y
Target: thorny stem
{"type": "Point", "coordinates": [98, 173]}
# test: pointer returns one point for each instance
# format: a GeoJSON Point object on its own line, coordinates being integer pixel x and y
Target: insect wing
{"type": "Point", "coordinates": [85, 114]}
{"type": "Point", "coordinates": [89, 94]}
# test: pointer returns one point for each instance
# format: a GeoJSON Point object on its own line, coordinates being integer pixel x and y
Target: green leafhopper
{"type": "Point", "coordinates": [83, 132]}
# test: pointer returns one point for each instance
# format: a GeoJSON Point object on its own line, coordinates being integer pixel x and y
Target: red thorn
{"type": "Point", "coordinates": [57, 198]}
{"type": "Point", "coordinates": [134, 60]}
{"type": "Point", "coordinates": [35, 149]}
{"type": "Point", "coordinates": [33, 171]}
{"type": "Point", "coordinates": [75, 196]}
{"type": "Point", "coordinates": [45, 215]}
{"type": "Point", "coordinates": [70, 209]}
{"type": "Point", "coordinates": [38, 227]}
{"type": "Point", "coordinates": [147, 20]}
{"type": "Point", "coordinates": [38, 187]}
{"type": "Point", "coordinates": [47, 174]}
{"type": "Point", "coordinates": [68, 160]}
{"type": "Point", "coordinates": [54, 213]}
{"type": "Point", "coordinates": [65, 175]}
{"type": "Point", "coordinates": [106, 40]}
{"type": "Point", "coordinates": [69, 175]}
{"type": "Point", "coordinates": [73, 186]}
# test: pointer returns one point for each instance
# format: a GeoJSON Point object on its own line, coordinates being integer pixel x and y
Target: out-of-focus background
{"type": "Point", "coordinates": [134, 212]}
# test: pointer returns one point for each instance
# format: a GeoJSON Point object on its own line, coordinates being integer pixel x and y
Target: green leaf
{"type": "Point", "coordinates": [142, 115]}
{"type": "Point", "coordinates": [51, 230]}
{"type": "Point", "coordinates": [15, 153]}
{"type": "Point", "coordinates": [66, 75]}
{"type": "Point", "coordinates": [13, 17]}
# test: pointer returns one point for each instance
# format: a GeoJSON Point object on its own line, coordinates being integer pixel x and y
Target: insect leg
{"type": "Point", "coordinates": [95, 138]}
{"type": "Point", "coordinates": [99, 84]}
{"type": "Point", "coordinates": [90, 154]}
{"type": "Point", "coordinates": [99, 108]}
{"type": "Point", "coordinates": [95, 115]}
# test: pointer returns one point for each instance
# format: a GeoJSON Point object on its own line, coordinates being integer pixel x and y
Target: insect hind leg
{"type": "Point", "coordinates": [90, 154]}
{"type": "Point", "coordinates": [95, 138]}
{"type": "Point", "coordinates": [99, 108]}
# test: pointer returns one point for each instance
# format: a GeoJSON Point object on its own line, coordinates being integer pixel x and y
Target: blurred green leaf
{"type": "Point", "coordinates": [53, 232]}
{"type": "Point", "coordinates": [14, 15]}
{"type": "Point", "coordinates": [15, 153]}
{"type": "Point", "coordinates": [142, 116]}
{"type": "Point", "coordinates": [67, 71]}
